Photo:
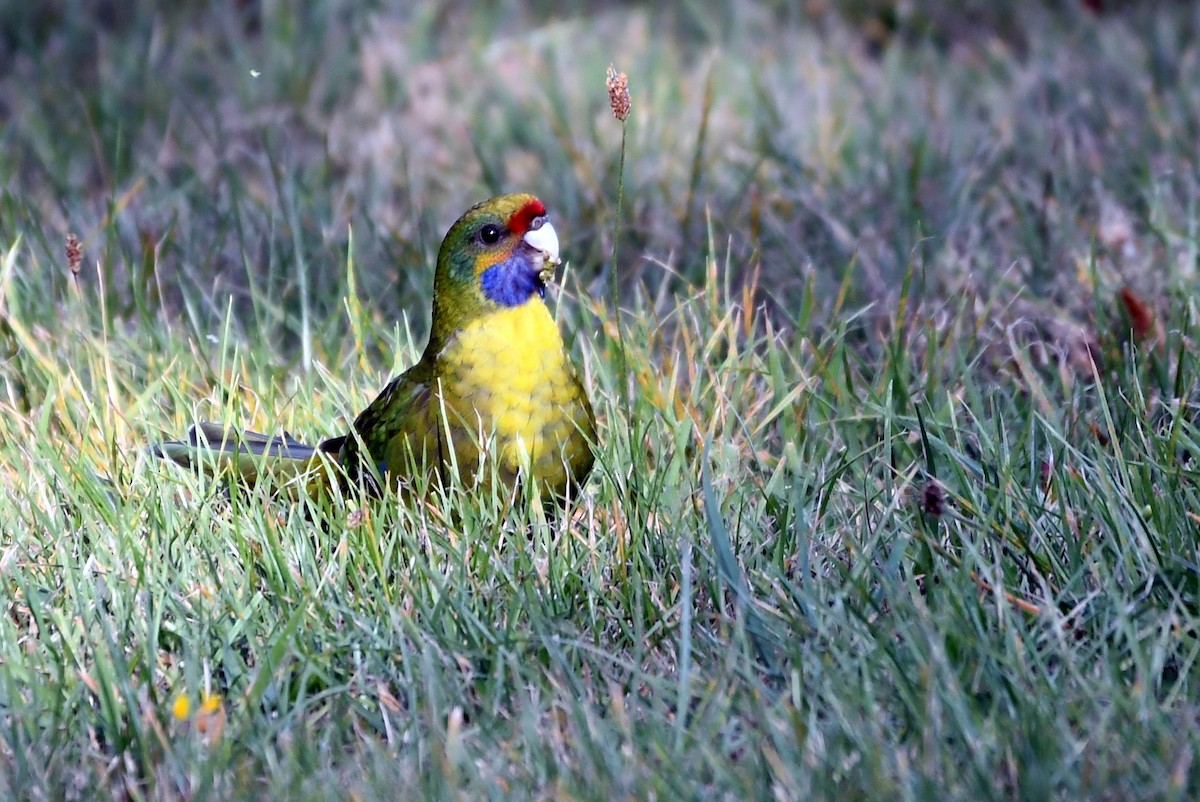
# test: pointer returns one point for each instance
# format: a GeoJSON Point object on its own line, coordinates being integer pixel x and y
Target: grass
{"type": "Point", "coordinates": [896, 495]}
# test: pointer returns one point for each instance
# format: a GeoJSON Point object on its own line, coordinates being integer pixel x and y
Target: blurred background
{"type": "Point", "coordinates": [1031, 158]}
{"type": "Point", "coordinates": [856, 239]}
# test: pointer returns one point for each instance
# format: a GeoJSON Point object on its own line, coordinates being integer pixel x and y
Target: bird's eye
{"type": "Point", "coordinates": [490, 234]}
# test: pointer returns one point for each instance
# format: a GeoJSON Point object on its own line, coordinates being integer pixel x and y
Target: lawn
{"type": "Point", "coordinates": [887, 311]}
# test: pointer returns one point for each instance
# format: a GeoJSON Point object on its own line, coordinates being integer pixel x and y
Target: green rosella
{"type": "Point", "coordinates": [494, 395]}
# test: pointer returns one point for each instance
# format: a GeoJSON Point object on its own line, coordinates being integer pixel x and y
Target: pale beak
{"type": "Point", "coordinates": [545, 239]}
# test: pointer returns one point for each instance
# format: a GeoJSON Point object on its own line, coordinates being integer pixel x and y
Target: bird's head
{"type": "Point", "coordinates": [499, 254]}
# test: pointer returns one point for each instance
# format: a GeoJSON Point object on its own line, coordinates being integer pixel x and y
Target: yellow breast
{"type": "Point", "coordinates": [507, 381]}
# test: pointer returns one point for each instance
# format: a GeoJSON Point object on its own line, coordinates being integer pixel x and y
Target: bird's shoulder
{"type": "Point", "coordinates": [411, 388]}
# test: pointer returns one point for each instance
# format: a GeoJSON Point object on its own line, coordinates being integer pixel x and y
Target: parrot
{"type": "Point", "coordinates": [495, 396]}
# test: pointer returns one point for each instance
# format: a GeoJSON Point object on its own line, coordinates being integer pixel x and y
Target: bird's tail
{"type": "Point", "coordinates": [251, 458]}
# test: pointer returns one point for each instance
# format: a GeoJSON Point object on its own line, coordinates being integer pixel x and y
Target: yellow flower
{"type": "Point", "coordinates": [209, 703]}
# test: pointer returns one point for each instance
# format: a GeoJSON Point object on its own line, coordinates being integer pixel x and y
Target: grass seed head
{"type": "Point", "coordinates": [618, 93]}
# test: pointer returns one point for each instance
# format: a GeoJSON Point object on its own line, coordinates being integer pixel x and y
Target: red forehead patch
{"type": "Point", "coordinates": [519, 223]}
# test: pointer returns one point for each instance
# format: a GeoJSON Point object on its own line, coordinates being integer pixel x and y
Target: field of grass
{"type": "Point", "coordinates": [897, 489]}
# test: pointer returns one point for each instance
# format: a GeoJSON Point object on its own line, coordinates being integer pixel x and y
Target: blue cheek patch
{"type": "Point", "coordinates": [512, 282]}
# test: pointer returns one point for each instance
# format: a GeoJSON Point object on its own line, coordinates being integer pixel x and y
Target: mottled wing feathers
{"type": "Point", "coordinates": [397, 428]}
